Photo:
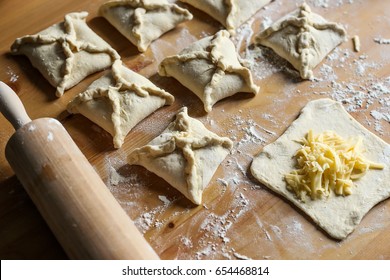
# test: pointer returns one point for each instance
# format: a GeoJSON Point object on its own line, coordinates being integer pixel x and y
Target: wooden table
{"type": "Point", "coordinates": [239, 218]}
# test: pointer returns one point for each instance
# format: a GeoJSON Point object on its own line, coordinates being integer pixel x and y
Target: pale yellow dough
{"type": "Point", "coordinates": [67, 52]}
{"type": "Point", "coordinates": [303, 38]}
{"type": "Point", "coordinates": [211, 69]}
{"type": "Point", "coordinates": [186, 155]}
{"type": "Point", "coordinates": [337, 215]}
{"type": "Point", "coordinates": [119, 100]}
{"type": "Point", "coordinates": [143, 21]}
{"type": "Point", "coordinates": [230, 13]}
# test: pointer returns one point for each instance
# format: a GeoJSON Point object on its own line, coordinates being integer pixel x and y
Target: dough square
{"type": "Point", "coordinates": [211, 69]}
{"type": "Point", "coordinates": [336, 215]}
{"type": "Point", "coordinates": [303, 38]}
{"type": "Point", "coordinates": [119, 100]}
{"type": "Point", "coordinates": [230, 13]}
{"type": "Point", "coordinates": [143, 21]}
{"type": "Point", "coordinates": [67, 52]}
{"type": "Point", "coordinates": [186, 155]}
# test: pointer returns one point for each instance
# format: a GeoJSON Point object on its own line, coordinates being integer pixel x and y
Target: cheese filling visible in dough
{"type": "Point", "coordinates": [328, 163]}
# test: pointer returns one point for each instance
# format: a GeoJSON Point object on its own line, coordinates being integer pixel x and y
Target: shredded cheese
{"type": "Point", "coordinates": [328, 163]}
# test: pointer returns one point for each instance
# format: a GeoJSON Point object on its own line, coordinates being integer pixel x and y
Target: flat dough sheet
{"type": "Point", "coordinates": [337, 215]}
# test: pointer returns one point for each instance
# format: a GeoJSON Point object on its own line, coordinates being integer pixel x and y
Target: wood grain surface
{"type": "Point", "coordinates": [239, 217]}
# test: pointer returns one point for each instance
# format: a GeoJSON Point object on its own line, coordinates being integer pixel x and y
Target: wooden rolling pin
{"type": "Point", "coordinates": [76, 204]}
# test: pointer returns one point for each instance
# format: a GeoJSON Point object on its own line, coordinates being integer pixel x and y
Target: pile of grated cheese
{"type": "Point", "coordinates": [327, 163]}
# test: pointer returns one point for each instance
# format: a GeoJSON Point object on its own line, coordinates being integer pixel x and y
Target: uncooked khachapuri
{"type": "Point", "coordinates": [211, 69]}
{"type": "Point", "coordinates": [143, 21]}
{"type": "Point", "coordinates": [119, 100]}
{"type": "Point", "coordinates": [303, 38]}
{"type": "Point", "coordinates": [230, 13]}
{"type": "Point", "coordinates": [186, 155]}
{"type": "Point", "coordinates": [67, 52]}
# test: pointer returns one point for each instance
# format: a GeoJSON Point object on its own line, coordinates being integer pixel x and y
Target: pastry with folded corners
{"type": "Point", "coordinates": [186, 155]}
{"type": "Point", "coordinates": [119, 100]}
{"type": "Point", "coordinates": [303, 38]}
{"type": "Point", "coordinates": [143, 21]}
{"type": "Point", "coordinates": [230, 13]}
{"type": "Point", "coordinates": [67, 52]}
{"type": "Point", "coordinates": [211, 69]}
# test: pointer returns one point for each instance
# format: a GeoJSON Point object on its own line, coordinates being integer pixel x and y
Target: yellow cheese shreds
{"type": "Point", "coordinates": [328, 163]}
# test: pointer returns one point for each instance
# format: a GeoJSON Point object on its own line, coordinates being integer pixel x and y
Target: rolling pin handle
{"type": "Point", "coordinates": [12, 108]}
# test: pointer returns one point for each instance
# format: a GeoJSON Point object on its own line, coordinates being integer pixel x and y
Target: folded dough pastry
{"type": "Point", "coordinates": [230, 13]}
{"type": "Point", "coordinates": [67, 52]}
{"type": "Point", "coordinates": [303, 38]}
{"type": "Point", "coordinates": [143, 21]}
{"type": "Point", "coordinates": [211, 69]}
{"type": "Point", "coordinates": [337, 215]}
{"type": "Point", "coordinates": [119, 100]}
{"type": "Point", "coordinates": [186, 155]}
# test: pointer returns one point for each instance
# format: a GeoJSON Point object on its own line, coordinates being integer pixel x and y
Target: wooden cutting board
{"type": "Point", "coordinates": [239, 218]}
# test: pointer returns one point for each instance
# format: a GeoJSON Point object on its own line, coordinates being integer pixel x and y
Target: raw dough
{"type": "Point", "coordinates": [67, 52]}
{"type": "Point", "coordinates": [143, 21]}
{"type": "Point", "coordinates": [119, 100]}
{"type": "Point", "coordinates": [186, 155]}
{"type": "Point", "coordinates": [230, 13]}
{"type": "Point", "coordinates": [328, 163]}
{"type": "Point", "coordinates": [337, 215]}
{"type": "Point", "coordinates": [211, 69]}
{"type": "Point", "coordinates": [303, 38]}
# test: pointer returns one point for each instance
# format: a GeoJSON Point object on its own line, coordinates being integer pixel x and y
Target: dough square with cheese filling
{"type": "Point", "coordinates": [230, 13]}
{"type": "Point", "coordinates": [336, 215]}
{"type": "Point", "coordinates": [186, 155]}
{"type": "Point", "coordinates": [119, 100]}
{"type": "Point", "coordinates": [67, 52]}
{"type": "Point", "coordinates": [143, 21]}
{"type": "Point", "coordinates": [303, 38]}
{"type": "Point", "coordinates": [211, 69]}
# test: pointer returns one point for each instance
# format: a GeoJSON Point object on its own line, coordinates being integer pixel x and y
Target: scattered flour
{"type": "Point", "coordinates": [267, 22]}
{"type": "Point", "coordinates": [186, 242]}
{"type": "Point", "coordinates": [241, 257]}
{"type": "Point", "coordinates": [328, 3]}
{"type": "Point", "coordinates": [320, 3]}
{"type": "Point", "coordinates": [382, 41]}
{"type": "Point", "coordinates": [13, 77]}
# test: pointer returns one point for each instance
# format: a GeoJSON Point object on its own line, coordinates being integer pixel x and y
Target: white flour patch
{"type": "Point", "coordinates": [263, 62]}
{"type": "Point", "coordinates": [164, 199]}
{"type": "Point", "coordinates": [13, 77]}
{"type": "Point", "coordinates": [186, 242]}
{"type": "Point", "coordinates": [382, 41]}
{"type": "Point", "coordinates": [241, 257]}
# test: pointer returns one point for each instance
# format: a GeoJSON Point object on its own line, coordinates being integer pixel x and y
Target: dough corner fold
{"type": "Point", "coordinates": [67, 52]}
{"type": "Point", "coordinates": [143, 21]}
{"type": "Point", "coordinates": [229, 13]}
{"type": "Point", "coordinates": [119, 100]}
{"type": "Point", "coordinates": [211, 69]}
{"type": "Point", "coordinates": [337, 215]}
{"type": "Point", "coordinates": [303, 38]}
{"type": "Point", "coordinates": [186, 155]}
